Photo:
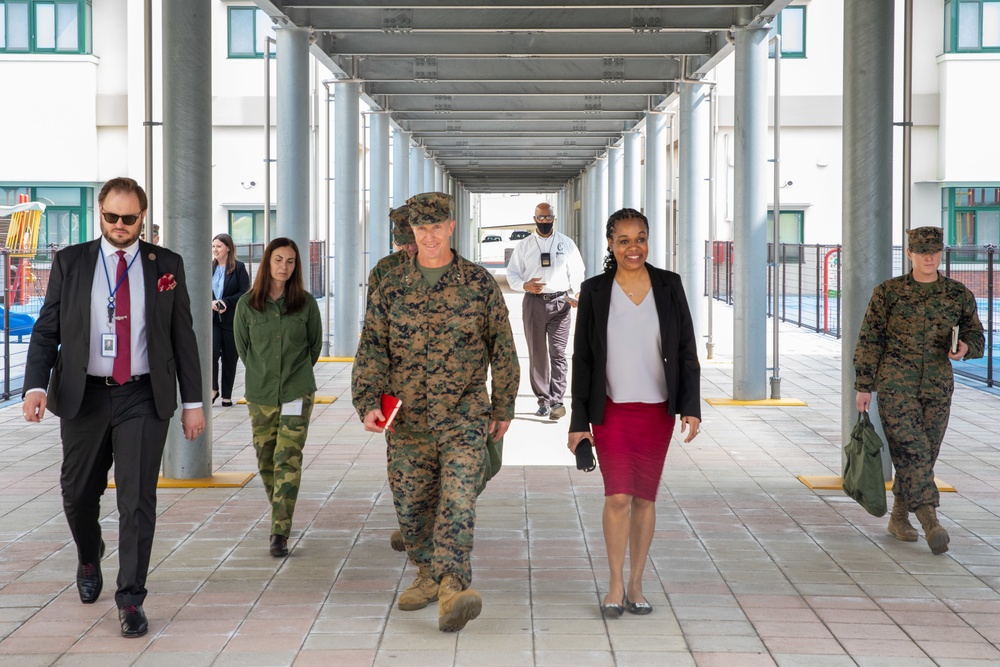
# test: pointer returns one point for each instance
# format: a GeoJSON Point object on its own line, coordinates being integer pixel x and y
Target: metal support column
{"type": "Point", "coordinates": [427, 180]}
{"type": "Point", "coordinates": [379, 237]}
{"type": "Point", "coordinates": [416, 171]}
{"type": "Point", "coordinates": [589, 232]}
{"type": "Point", "coordinates": [692, 218]}
{"type": "Point", "coordinates": [615, 182]}
{"type": "Point", "coordinates": [601, 206]}
{"type": "Point", "coordinates": [400, 168]}
{"type": "Point", "coordinates": [867, 215]}
{"type": "Point", "coordinates": [346, 234]}
{"type": "Point", "coordinates": [750, 213]}
{"type": "Point", "coordinates": [292, 136]}
{"type": "Point", "coordinates": [631, 163]}
{"type": "Point", "coordinates": [187, 197]}
{"type": "Point", "coordinates": [656, 184]}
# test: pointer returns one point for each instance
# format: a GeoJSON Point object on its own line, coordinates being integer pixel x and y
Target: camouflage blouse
{"type": "Point", "coordinates": [432, 347]}
{"type": "Point", "coordinates": [906, 335]}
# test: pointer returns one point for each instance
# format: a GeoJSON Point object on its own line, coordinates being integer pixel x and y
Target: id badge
{"type": "Point", "coordinates": [109, 345]}
{"type": "Point", "coordinates": [546, 259]}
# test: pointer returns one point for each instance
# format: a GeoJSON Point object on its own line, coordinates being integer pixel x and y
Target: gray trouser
{"type": "Point", "coordinates": [546, 328]}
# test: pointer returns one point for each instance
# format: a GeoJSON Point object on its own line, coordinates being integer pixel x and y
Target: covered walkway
{"type": "Point", "coordinates": [748, 566]}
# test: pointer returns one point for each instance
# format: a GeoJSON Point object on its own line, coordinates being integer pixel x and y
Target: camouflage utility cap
{"type": "Point", "coordinates": [925, 240]}
{"type": "Point", "coordinates": [429, 208]}
{"type": "Point", "coordinates": [402, 233]}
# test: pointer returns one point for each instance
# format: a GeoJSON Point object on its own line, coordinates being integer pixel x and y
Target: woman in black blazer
{"type": "Point", "coordinates": [229, 281]}
{"type": "Point", "coordinates": [635, 366]}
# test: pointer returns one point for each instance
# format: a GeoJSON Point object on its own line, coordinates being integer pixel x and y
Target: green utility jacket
{"type": "Point", "coordinates": [278, 350]}
{"type": "Point", "coordinates": [906, 335]}
{"type": "Point", "coordinates": [432, 347]}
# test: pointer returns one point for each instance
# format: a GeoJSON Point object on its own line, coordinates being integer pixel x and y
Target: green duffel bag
{"type": "Point", "coordinates": [863, 478]}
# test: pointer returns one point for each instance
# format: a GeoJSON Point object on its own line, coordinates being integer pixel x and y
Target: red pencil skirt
{"type": "Point", "coordinates": [631, 447]}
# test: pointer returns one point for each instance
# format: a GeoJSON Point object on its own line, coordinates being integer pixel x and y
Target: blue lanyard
{"type": "Point", "coordinates": [112, 292]}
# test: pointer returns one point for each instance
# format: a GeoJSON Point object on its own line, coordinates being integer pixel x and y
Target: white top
{"type": "Point", "coordinates": [104, 366]}
{"type": "Point", "coordinates": [635, 360]}
{"type": "Point", "coordinates": [564, 275]}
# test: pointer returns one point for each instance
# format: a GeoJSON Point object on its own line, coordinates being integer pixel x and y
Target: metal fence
{"type": "Point", "coordinates": [22, 290]}
{"type": "Point", "coordinates": [810, 290]}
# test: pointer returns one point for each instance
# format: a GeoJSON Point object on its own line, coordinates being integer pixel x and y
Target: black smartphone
{"type": "Point", "coordinates": [585, 456]}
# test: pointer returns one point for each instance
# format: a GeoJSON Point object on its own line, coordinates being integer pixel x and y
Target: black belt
{"type": "Point", "coordinates": [111, 382]}
{"type": "Point", "coordinates": [550, 296]}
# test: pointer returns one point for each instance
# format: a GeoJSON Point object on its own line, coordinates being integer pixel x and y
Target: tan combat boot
{"type": "Point", "coordinates": [455, 606]}
{"type": "Point", "coordinates": [421, 592]}
{"type": "Point", "coordinates": [899, 523]}
{"type": "Point", "coordinates": [397, 543]}
{"type": "Point", "coordinates": [936, 536]}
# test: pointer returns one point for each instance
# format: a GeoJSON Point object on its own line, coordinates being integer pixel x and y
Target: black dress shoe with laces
{"type": "Point", "coordinates": [133, 620]}
{"type": "Point", "coordinates": [89, 580]}
{"type": "Point", "coordinates": [279, 546]}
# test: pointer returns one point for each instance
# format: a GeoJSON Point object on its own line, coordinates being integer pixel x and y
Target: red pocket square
{"type": "Point", "coordinates": [166, 282]}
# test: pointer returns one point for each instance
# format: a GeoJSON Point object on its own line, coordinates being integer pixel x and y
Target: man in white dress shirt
{"type": "Point", "coordinates": [548, 267]}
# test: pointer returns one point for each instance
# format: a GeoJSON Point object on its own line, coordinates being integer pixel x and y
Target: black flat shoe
{"type": "Point", "coordinates": [89, 580]}
{"type": "Point", "coordinates": [279, 546]}
{"type": "Point", "coordinates": [133, 620]}
{"type": "Point", "coordinates": [613, 610]}
{"type": "Point", "coordinates": [638, 608]}
{"type": "Point", "coordinates": [227, 403]}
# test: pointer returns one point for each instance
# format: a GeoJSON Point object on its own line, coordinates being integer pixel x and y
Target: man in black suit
{"type": "Point", "coordinates": [115, 333]}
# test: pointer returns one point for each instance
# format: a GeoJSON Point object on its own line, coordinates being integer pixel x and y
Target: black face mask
{"type": "Point", "coordinates": [544, 228]}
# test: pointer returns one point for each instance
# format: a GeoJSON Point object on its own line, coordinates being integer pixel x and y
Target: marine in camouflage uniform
{"type": "Point", "coordinates": [903, 354]}
{"type": "Point", "coordinates": [402, 236]}
{"type": "Point", "coordinates": [432, 346]}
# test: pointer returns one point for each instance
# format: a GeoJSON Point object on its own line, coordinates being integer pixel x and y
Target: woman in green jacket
{"type": "Point", "coordinates": [279, 335]}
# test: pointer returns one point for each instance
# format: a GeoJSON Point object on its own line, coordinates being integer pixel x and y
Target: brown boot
{"type": "Point", "coordinates": [456, 607]}
{"type": "Point", "coordinates": [397, 543]}
{"type": "Point", "coordinates": [421, 592]}
{"type": "Point", "coordinates": [936, 536]}
{"type": "Point", "coordinates": [899, 523]}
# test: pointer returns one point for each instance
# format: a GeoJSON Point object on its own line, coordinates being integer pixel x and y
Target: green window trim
{"type": "Point", "coordinates": [246, 226]}
{"type": "Point", "coordinates": [46, 26]}
{"type": "Point", "coordinates": [790, 23]}
{"type": "Point", "coordinates": [246, 28]}
{"type": "Point", "coordinates": [972, 26]}
{"type": "Point", "coordinates": [68, 212]}
{"type": "Point", "coordinates": [971, 215]}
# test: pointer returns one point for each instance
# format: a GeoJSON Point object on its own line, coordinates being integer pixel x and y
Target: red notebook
{"type": "Point", "coordinates": [390, 406]}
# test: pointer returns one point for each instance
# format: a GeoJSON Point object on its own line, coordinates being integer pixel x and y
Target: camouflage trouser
{"type": "Point", "coordinates": [434, 477]}
{"type": "Point", "coordinates": [278, 440]}
{"type": "Point", "coordinates": [914, 428]}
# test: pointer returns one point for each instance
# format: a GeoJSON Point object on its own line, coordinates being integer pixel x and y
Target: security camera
{"type": "Point", "coordinates": [254, 183]}
{"type": "Point", "coordinates": [787, 183]}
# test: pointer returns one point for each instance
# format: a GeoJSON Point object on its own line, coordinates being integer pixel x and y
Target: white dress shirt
{"type": "Point", "coordinates": [100, 291]}
{"type": "Point", "coordinates": [565, 273]}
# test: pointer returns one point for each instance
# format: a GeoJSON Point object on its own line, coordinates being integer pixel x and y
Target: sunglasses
{"type": "Point", "coordinates": [127, 220]}
{"type": "Point", "coordinates": [545, 217]}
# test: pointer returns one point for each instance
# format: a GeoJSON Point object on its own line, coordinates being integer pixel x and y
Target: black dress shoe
{"type": "Point", "coordinates": [639, 608]}
{"type": "Point", "coordinates": [612, 610]}
{"type": "Point", "coordinates": [279, 546]}
{"type": "Point", "coordinates": [89, 580]}
{"type": "Point", "coordinates": [133, 620]}
{"type": "Point", "coordinates": [227, 403]}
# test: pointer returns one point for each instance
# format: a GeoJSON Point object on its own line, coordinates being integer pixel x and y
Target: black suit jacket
{"type": "Point", "coordinates": [234, 285]}
{"type": "Point", "coordinates": [60, 341]}
{"type": "Point", "coordinates": [590, 348]}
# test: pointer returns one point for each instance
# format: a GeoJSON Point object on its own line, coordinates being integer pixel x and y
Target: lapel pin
{"type": "Point", "coordinates": [152, 257]}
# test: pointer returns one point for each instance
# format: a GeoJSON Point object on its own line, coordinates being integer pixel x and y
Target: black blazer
{"type": "Point", "coordinates": [234, 285]}
{"type": "Point", "coordinates": [60, 341]}
{"type": "Point", "coordinates": [590, 348]}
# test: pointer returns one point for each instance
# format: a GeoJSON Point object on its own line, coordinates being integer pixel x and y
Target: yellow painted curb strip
{"type": "Point", "coordinates": [218, 480]}
{"type": "Point", "coordinates": [349, 359]}
{"type": "Point", "coordinates": [836, 483]}
{"type": "Point", "coordinates": [318, 400]}
{"type": "Point", "coordinates": [767, 402]}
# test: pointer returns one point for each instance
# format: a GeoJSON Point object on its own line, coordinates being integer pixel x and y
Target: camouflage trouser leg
{"type": "Point", "coordinates": [278, 440]}
{"type": "Point", "coordinates": [914, 428]}
{"type": "Point", "coordinates": [434, 477]}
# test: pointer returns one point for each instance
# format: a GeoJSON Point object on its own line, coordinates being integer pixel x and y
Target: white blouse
{"type": "Point", "coordinates": [635, 362]}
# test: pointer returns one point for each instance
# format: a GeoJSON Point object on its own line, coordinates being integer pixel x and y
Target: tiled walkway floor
{"type": "Point", "coordinates": [748, 566]}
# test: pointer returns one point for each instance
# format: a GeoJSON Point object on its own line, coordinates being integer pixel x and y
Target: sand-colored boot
{"type": "Point", "coordinates": [456, 607]}
{"type": "Point", "coordinates": [935, 534]}
{"type": "Point", "coordinates": [421, 592]}
{"type": "Point", "coordinates": [397, 543]}
{"type": "Point", "coordinates": [899, 523]}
